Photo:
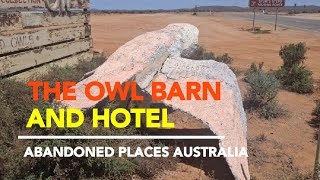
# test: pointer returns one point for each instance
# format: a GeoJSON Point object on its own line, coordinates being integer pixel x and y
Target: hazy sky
{"type": "Point", "coordinates": [175, 4]}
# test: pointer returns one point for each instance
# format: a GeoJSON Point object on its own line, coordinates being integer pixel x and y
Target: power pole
{"type": "Point", "coordinates": [254, 20]}
{"type": "Point", "coordinates": [276, 24]}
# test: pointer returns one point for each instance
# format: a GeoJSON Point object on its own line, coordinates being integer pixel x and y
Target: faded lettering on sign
{"type": "Point", "coordinates": [22, 41]}
{"type": "Point", "coordinates": [2, 44]}
{"type": "Point", "coordinates": [191, 70]}
{"type": "Point", "coordinates": [9, 19]}
{"type": "Point", "coordinates": [21, 1]}
{"type": "Point", "coordinates": [17, 42]}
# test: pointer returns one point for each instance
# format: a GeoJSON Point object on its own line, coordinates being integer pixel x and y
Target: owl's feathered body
{"type": "Point", "coordinates": [61, 5]}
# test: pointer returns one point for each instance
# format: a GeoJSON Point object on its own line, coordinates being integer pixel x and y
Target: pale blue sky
{"type": "Point", "coordinates": [176, 4]}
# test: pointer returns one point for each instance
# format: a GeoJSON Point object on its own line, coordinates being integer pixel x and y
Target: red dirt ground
{"type": "Point", "coordinates": [278, 148]}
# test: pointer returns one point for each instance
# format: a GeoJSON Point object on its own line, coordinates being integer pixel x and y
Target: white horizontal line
{"type": "Point", "coordinates": [118, 137]}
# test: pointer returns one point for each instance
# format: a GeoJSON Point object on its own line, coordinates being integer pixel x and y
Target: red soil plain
{"type": "Point", "coordinates": [278, 148]}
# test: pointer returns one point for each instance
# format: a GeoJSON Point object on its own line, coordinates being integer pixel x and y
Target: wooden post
{"type": "Point", "coordinates": [254, 19]}
{"type": "Point", "coordinates": [317, 163]}
{"type": "Point", "coordinates": [276, 24]}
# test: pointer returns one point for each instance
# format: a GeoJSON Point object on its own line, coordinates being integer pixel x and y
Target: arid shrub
{"type": "Point", "coordinates": [16, 105]}
{"type": "Point", "coordinates": [253, 69]}
{"type": "Point", "coordinates": [1, 166]}
{"type": "Point", "coordinates": [271, 110]}
{"type": "Point", "coordinates": [298, 80]}
{"type": "Point", "coordinates": [198, 53]}
{"type": "Point", "coordinates": [263, 88]}
{"type": "Point", "coordinates": [14, 167]}
{"type": "Point", "coordinates": [293, 75]}
{"type": "Point", "coordinates": [71, 168]}
{"type": "Point", "coordinates": [70, 73]}
{"type": "Point", "coordinates": [262, 94]}
{"type": "Point", "coordinates": [225, 58]}
{"type": "Point", "coordinates": [17, 97]}
{"type": "Point", "coordinates": [293, 55]}
{"type": "Point", "coordinates": [316, 111]}
{"type": "Point", "coordinates": [7, 132]}
{"type": "Point", "coordinates": [148, 167]}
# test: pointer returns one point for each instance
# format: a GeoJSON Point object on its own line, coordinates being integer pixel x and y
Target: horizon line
{"type": "Point", "coordinates": [199, 6]}
{"type": "Point", "coordinates": [121, 137]}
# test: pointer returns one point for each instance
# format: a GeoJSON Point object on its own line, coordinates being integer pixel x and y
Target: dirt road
{"type": "Point", "coordinates": [300, 22]}
{"type": "Point", "coordinates": [279, 147]}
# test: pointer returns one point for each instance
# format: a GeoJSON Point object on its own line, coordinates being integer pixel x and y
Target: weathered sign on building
{"type": "Point", "coordinates": [32, 38]}
{"type": "Point", "coordinates": [38, 3]}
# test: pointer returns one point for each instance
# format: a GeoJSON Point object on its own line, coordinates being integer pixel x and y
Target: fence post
{"type": "Point", "coordinates": [317, 163]}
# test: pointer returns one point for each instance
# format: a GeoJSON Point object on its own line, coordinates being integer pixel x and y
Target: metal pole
{"type": "Point", "coordinates": [254, 19]}
{"type": "Point", "coordinates": [275, 26]}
